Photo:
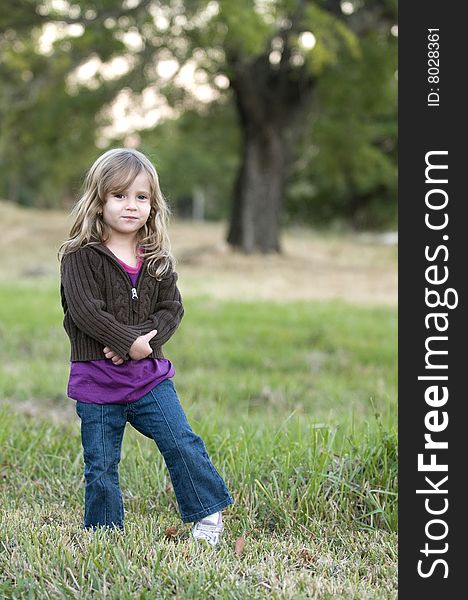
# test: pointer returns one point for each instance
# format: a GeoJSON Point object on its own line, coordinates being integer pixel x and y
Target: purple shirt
{"type": "Point", "coordinates": [102, 382]}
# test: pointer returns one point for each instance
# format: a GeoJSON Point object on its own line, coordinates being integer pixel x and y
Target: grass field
{"type": "Point", "coordinates": [296, 402]}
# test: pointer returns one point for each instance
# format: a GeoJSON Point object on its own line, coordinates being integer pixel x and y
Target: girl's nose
{"type": "Point", "coordinates": [131, 203]}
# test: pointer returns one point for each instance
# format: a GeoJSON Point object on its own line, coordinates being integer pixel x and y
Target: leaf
{"type": "Point", "coordinates": [306, 556]}
{"type": "Point", "coordinates": [171, 532]}
{"type": "Point", "coordinates": [239, 547]}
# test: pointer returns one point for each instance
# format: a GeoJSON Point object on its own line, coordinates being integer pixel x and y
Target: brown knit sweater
{"type": "Point", "coordinates": [99, 309]}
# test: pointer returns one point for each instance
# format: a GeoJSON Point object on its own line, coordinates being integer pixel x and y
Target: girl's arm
{"type": "Point", "coordinates": [86, 306]}
{"type": "Point", "coordinates": [168, 312]}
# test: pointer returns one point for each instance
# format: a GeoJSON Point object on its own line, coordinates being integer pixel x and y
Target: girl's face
{"type": "Point", "coordinates": [126, 212]}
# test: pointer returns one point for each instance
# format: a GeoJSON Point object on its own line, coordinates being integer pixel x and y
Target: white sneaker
{"type": "Point", "coordinates": [206, 530]}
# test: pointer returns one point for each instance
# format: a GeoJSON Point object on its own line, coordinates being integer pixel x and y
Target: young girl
{"type": "Point", "coordinates": [121, 304]}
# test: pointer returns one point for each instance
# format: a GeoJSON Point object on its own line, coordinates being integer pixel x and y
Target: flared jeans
{"type": "Point", "coordinates": [198, 487]}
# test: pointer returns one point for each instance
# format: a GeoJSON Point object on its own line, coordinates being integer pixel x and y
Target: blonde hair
{"type": "Point", "coordinates": [114, 171]}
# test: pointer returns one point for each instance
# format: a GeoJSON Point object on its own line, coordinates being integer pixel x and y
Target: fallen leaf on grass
{"type": "Point", "coordinates": [239, 545]}
{"type": "Point", "coordinates": [306, 556]}
{"type": "Point", "coordinates": [171, 532]}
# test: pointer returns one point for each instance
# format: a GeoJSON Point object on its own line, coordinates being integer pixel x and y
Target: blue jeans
{"type": "Point", "coordinates": [199, 488]}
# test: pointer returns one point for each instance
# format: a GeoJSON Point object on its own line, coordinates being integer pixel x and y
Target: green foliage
{"type": "Point", "coordinates": [48, 130]}
{"type": "Point", "coordinates": [246, 31]}
{"type": "Point", "coordinates": [349, 171]}
{"type": "Point", "coordinates": [197, 151]}
{"type": "Point", "coordinates": [334, 40]}
{"type": "Point", "coordinates": [346, 165]}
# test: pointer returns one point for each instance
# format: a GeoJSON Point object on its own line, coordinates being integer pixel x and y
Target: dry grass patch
{"type": "Point", "coordinates": [314, 265]}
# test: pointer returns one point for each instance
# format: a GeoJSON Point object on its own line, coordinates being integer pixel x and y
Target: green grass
{"type": "Point", "coordinates": [296, 404]}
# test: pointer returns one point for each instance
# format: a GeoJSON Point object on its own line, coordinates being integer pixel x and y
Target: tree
{"type": "Point", "coordinates": [274, 85]}
{"type": "Point", "coordinates": [272, 53]}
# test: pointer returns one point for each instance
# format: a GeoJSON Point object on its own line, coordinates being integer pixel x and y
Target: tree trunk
{"type": "Point", "coordinates": [273, 103]}
{"type": "Point", "coordinates": [258, 192]}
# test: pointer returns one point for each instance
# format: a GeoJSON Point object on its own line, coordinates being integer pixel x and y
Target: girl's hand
{"type": "Point", "coordinates": [116, 359]}
{"type": "Point", "coordinates": [141, 347]}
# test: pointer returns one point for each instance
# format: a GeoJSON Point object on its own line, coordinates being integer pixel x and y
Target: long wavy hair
{"type": "Point", "coordinates": [113, 172]}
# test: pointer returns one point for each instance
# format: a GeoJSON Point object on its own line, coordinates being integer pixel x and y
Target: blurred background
{"type": "Point", "coordinates": [273, 127]}
{"type": "Point", "coordinates": [272, 124]}
{"type": "Point", "coordinates": [281, 109]}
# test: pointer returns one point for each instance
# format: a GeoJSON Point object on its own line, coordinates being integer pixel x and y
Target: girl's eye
{"type": "Point", "coordinates": [140, 196]}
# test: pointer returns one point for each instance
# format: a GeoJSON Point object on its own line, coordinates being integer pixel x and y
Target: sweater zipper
{"type": "Point", "coordinates": [138, 285]}
{"type": "Point", "coordinates": [135, 292]}
{"type": "Point", "coordinates": [134, 289]}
